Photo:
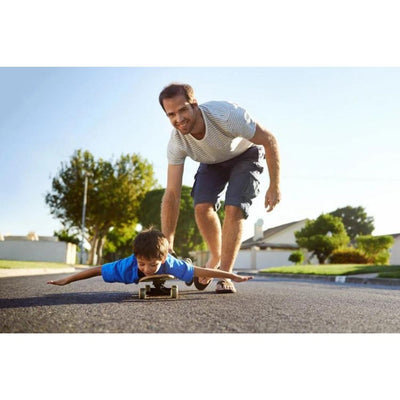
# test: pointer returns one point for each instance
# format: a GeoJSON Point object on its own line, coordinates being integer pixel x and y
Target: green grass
{"type": "Point", "coordinates": [384, 271]}
{"type": "Point", "coordinates": [390, 274]}
{"type": "Point", "coordinates": [10, 264]}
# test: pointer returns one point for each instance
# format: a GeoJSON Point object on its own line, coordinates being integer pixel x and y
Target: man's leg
{"type": "Point", "coordinates": [231, 236]}
{"type": "Point", "coordinates": [243, 187]}
{"type": "Point", "coordinates": [210, 228]}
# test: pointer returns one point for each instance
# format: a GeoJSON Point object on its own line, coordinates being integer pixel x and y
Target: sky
{"type": "Point", "coordinates": [337, 130]}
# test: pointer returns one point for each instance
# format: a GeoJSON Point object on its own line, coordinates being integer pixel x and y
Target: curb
{"type": "Point", "coordinates": [328, 278]}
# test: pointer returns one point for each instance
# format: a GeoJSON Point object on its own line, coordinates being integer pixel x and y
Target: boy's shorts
{"type": "Point", "coordinates": [241, 173]}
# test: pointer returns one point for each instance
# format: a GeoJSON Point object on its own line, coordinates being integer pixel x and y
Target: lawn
{"type": "Point", "coordinates": [384, 271]}
{"type": "Point", "coordinates": [10, 264]}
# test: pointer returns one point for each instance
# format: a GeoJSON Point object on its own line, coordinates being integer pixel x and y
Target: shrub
{"type": "Point", "coordinates": [375, 248]}
{"type": "Point", "coordinates": [297, 257]}
{"type": "Point", "coordinates": [382, 258]}
{"type": "Point", "coordinates": [348, 256]}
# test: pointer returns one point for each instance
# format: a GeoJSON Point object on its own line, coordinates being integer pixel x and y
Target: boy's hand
{"type": "Point", "coordinates": [60, 282]}
{"type": "Point", "coordinates": [239, 278]}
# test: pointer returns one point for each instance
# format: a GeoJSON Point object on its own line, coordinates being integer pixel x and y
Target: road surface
{"type": "Point", "coordinates": [263, 305]}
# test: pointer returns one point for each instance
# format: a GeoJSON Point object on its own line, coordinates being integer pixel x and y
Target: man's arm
{"type": "Point", "coordinates": [87, 273]}
{"type": "Point", "coordinates": [171, 202]}
{"type": "Point", "coordinates": [267, 139]}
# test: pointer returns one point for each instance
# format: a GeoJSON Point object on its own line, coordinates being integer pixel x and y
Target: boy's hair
{"type": "Point", "coordinates": [151, 243]}
{"type": "Point", "coordinates": [176, 89]}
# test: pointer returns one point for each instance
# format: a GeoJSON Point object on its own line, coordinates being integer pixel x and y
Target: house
{"type": "Point", "coordinates": [272, 248]}
{"type": "Point", "coordinates": [269, 248]}
{"type": "Point", "coordinates": [278, 238]}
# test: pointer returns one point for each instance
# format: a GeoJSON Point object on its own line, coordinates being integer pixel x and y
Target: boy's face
{"type": "Point", "coordinates": [149, 266]}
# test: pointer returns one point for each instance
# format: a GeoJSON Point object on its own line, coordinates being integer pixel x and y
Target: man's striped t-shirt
{"type": "Point", "coordinates": [229, 128]}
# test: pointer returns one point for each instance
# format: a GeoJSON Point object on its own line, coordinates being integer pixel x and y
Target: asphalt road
{"type": "Point", "coordinates": [263, 305]}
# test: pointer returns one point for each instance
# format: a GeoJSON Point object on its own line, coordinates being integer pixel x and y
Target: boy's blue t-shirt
{"type": "Point", "coordinates": [126, 270]}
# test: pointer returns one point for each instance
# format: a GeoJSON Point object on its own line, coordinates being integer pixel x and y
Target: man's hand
{"type": "Point", "coordinates": [272, 198]}
{"type": "Point", "coordinates": [267, 139]}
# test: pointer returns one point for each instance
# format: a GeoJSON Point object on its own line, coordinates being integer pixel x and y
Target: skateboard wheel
{"type": "Point", "coordinates": [174, 292]}
{"type": "Point", "coordinates": [142, 293]}
{"type": "Point", "coordinates": [148, 288]}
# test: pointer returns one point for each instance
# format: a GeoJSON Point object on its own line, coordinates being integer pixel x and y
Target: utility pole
{"type": "Point", "coordinates": [84, 213]}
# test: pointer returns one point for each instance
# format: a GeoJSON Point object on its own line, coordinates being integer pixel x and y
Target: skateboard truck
{"type": "Point", "coordinates": [158, 288]}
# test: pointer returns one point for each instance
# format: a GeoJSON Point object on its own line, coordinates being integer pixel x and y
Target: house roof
{"type": "Point", "coordinates": [267, 234]}
{"type": "Point", "coordinates": [265, 245]}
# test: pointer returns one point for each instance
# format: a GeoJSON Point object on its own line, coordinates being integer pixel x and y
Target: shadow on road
{"type": "Point", "coordinates": [88, 298]}
{"type": "Point", "coordinates": [66, 299]}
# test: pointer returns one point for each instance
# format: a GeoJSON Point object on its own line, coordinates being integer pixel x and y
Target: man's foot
{"type": "Point", "coordinates": [225, 286]}
{"type": "Point", "coordinates": [201, 283]}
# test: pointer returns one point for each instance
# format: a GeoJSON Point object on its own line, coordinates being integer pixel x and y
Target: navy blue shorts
{"type": "Point", "coordinates": [240, 173]}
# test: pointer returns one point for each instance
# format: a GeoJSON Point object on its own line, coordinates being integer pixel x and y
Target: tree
{"type": "Point", "coordinates": [322, 236]}
{"type": "Point", "coordinates": [375, 248]}
{"type": "Point", "coordinates": [65, 235]}
{"type": "Point", "coordinates": [355, 221]}
{"type": "Point", "coordinates": [115, 191]}
{"type": "Point", "coordinates": [187, 235]}
{"type": "Point", "coordinates": [119, 242]}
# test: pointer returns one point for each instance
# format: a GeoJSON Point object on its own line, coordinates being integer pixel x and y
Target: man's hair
{"type": "Point", "coordinates": [151, 243]}
{"type": "Point", "coordinates": [176, 89]}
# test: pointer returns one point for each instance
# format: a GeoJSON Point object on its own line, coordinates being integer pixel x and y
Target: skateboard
{"type": "Point", "coordinates": [158, 288]}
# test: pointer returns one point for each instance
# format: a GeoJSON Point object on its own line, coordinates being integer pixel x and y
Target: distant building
{"type": "Point", "coordinates": [278, 238]}
{"type": "Point", "coordinates": [269, 248]}
{"type": "Point", "coordinates": [36, 248]}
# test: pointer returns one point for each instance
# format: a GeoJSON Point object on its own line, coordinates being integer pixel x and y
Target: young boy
{"type": "Point", "coordinates": [150, 256]}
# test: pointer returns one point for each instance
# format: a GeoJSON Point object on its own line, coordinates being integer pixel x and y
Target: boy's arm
{"type": "Point", "coordinates": [87, 273]}
{"type": "Point", "coordinates": [216, 273]}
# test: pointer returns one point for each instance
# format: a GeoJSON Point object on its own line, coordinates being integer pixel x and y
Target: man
{"type": "Point", "coordinates": [230, 147]}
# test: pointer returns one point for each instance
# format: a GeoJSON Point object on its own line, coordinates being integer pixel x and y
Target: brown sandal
{"type": "Point", "coordinates": [202, 286]}
{"type": "Point", "coordinates": [225, 286]}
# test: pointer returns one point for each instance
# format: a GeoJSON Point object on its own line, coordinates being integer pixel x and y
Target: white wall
{"type": "Point", "coordinates": [252, 259]}
{"type": "Point", "coordinates": [26, 250]}
{"type": "Point", "coordinates": [395, 252]}
{"type": "Point", "coordinates": [262, 259]}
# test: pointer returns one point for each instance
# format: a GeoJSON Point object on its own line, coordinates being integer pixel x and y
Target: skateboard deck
{"type": "Point", "coordinates": [158, 288]}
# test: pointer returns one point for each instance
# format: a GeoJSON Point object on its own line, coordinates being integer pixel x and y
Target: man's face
{"type": "Point", "coordinates": [181, 113]}
{"type": "Point", "coordinates": [149, 266]}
